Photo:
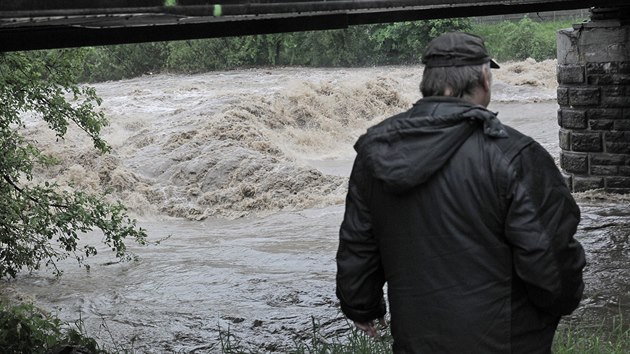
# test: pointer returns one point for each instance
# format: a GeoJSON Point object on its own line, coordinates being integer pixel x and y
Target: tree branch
{"type": "Point", "coordinates": [21, 191]}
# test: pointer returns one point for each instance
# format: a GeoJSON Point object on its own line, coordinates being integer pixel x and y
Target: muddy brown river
{"type": "Point", "coordinates": [239, 178]}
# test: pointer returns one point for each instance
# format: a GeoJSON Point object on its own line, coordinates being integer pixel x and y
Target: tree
{"type": "Point", "coordinates": [41, 223]}
{"type": "Point", "coordinates": [117, 62]}
{"type": "Point", "coordinates": [404, 42]}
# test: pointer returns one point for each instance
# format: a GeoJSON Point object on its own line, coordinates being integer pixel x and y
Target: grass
{"type": "Point", "coordinates": [25, 329]}
{"type": "Point", "coordinates": [570, 338]}
{"type": "Point", "coordinates": [351, 342]}
{"type": "Point", "coordinates": [581, 338]}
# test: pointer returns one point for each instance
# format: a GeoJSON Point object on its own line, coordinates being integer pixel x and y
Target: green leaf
{"type": "Point", "coordinates": [44, 84]}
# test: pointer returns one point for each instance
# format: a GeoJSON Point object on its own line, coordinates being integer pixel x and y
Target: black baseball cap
{"type": "Point", "coordinates": [457, 49]}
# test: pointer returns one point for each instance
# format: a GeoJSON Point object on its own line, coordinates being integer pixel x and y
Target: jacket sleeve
{"type": "Point", "coordinates": [360, 277]}
{"type": "Point", "coordinates": [541, 221]}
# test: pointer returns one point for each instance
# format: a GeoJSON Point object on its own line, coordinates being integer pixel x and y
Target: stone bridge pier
{"type": "Point", "coordinates": [594, 99]}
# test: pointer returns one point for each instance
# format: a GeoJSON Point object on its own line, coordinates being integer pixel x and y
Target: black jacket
{"type": "Point", "coordinates": [470, 224]}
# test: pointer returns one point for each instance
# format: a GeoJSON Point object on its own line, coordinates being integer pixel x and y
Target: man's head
{"type": "Point", "coordinates": [457, 64]}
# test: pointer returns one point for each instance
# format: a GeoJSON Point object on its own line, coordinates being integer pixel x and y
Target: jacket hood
{"type": "Point", "coordinates": [405, 150]}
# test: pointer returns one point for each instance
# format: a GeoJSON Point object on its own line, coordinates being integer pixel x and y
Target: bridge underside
{"type": "Point", "coordinates": [44, 24]}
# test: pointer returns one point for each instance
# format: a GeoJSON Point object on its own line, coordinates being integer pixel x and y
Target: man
{"type": "Point", "coordinates": [468, 221]}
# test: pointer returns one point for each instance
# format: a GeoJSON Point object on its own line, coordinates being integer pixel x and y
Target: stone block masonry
{"type": "Point", "coordinates": [594, 99]}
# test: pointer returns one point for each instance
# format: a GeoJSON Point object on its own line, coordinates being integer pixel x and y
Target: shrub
{"type": "Point", "coordinates": [404, 42]}
{"type": "Point", "coordinates": [380, 44]}
{"type": "Point", "coordinates": [202, 55]}
{"type": "Point", "coordinates": [25, 329]}
{"type": "Point", "coordinates": [123, 61]}
{"type": "Point", "coordinates": [42, 222]}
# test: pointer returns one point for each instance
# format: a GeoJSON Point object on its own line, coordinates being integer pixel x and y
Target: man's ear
{"type": "Point", "coordinates": [486, 78]}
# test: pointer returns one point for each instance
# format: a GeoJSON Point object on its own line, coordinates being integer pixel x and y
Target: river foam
{"type": "Point", "coordinates": [234, 143]}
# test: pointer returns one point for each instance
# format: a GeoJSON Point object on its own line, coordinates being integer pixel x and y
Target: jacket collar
{"type": "Point", "coordinates": [445, 106]}
{"type": "Point", "coordinates": [440, 106]}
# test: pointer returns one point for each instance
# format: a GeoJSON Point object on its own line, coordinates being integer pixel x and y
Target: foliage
{"type": "Point", "coordinates": [613, 338]}
{"type": "Point", "coordinates": [381, 44]}
{"type": "Point", "coordinates": [345, 47]}
{"type": "Point", "coordinates": [123, 61]}
{"type": "Point", "coordinates": [397, 43]}
{"type": "Point", "coordinates": [196, 56]}
{"type": "Point", "coordinates": [322, 48]}
{"type": "Point", "coordinates": [24, 329]}
{"type": "Point", "coordinates": [404, 42]}
{"type": "Point", "coordinates": [352, 341]}
{"type": "Point", "coordinates": [570, 338]}
{"type": "Point", "coordinates": [521, 40]}
{"type": "Point", "coordinates": [39, 222]}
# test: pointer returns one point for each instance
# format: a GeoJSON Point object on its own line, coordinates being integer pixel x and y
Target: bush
{"type": "Point", "coordinates": [404, 42]}
{"type": "Point", "coordinates": [123, 61]}
{"type": "Point", "coordinates": [397, 43]}
{"type": "Point", "coordinates": [345, 47]}
{"type": "Point", "coordinates": [25, 329]}
{"type": "Point", "coordinates": [318, 48]}
{"type": "Point", "coordinates": [202, 55]}
{"type": "Point", "coordinates": [380, 44]}
{"type": "Point", "coordinates": [43, 222]}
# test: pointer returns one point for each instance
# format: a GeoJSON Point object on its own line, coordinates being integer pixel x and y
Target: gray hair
{"type": "Point", "coordinates": [459, 80]}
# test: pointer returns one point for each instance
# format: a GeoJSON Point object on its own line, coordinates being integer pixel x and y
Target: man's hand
{"type": "Point", "coordinates": [370, 328]}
